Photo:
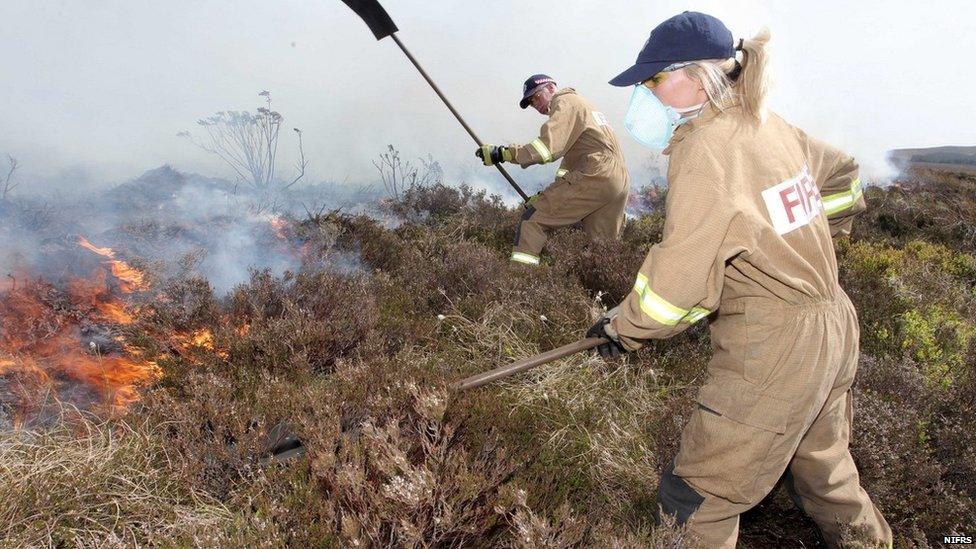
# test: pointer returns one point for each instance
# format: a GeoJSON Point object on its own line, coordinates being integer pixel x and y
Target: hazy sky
{"type": "Point", "coordinates": [98, 89]}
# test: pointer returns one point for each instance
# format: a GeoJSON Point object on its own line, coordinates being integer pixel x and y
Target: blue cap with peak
{"type": "Point", "coordinates": [531, 86]}
{"type": "Point", "coordinates": [688, 36]}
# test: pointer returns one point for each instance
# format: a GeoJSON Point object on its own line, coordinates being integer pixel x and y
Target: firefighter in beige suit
{"type": "Point", "coordinates": [752, 206]}
{"type": "Point", "coordinates": [591, 183]}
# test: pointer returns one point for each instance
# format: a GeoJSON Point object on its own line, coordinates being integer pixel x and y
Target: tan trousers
{"type": "Point", "coordinates": [597, 202]}
{"type": "Point", "coordinates": [778, 398]}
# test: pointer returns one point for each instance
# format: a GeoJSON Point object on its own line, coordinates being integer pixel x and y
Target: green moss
{"type": "Point", "coordinates": [917, 299]}
{"type": "Point", "coordinates": [938, 339]}
{"type": "Point", "coordinates": [868, 258]}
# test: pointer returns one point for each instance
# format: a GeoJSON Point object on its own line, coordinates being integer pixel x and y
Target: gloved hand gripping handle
{"type": "Point", "coordinates": [381, 25]}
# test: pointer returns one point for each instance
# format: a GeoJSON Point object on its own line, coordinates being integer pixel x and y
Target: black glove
{"type": "Point", "coordinates": [493, 154]}
{"type": "Point", "coordinates": [610, 349]}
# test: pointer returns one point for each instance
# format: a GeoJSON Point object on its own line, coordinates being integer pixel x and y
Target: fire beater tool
{"type": "Point", "coordinates": [380, 23]}
{"type": "Point", "coordinates": [528, 363]}
{"type": "Point", "coordinates": [281, 444]}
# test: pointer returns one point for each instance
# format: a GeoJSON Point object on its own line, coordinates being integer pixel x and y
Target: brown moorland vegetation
{"type": "Point", "coordinates": [359, 363]}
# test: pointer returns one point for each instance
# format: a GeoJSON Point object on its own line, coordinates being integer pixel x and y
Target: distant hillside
{"type": "Point", "coordinates": [954, 157]}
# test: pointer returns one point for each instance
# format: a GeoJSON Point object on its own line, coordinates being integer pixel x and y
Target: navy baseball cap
{"type": "Point", "coordinates": [688, 36]}
{"type": "Point", "coordinates": [529, 88]}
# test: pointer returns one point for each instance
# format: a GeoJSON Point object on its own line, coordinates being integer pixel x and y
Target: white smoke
{"type": "Point", "coordinates": [179, 224]}
{"type": "Point", "coordinates": [865, 76]}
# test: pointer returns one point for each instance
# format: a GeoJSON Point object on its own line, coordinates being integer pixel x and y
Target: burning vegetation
{"type": "Point", "coordinates": [77, 331]}
{"type": "Point", "coordinates": [130, 280]}
{"type": "Point", "coordinates": [144, 370]}
{"type": "Point", "coordinates": [67, 345]}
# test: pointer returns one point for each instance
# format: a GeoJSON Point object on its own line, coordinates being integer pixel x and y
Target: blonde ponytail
{"type": "Point", "coordinates": [750, 86]}
{"type": "Point", "coordinates": [753, 83]}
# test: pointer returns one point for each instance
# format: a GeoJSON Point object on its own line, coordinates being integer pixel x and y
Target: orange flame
{"type": "Point", "coordinates": [27, 381]}
{"type": "Point", "coordinates": [243, 329]}
{"type": "Point", "coordinates": [200, 339]}
{"type": "Point", "coordinates": [203, 338]}
{"type": "Point", "coordinates": [115, 379]}
{"type": "Point", "coordinates": [278, 225]}
{"type": "Point", "coordinates": [42, 346]}
{"type": "Point", "coordinates": [130, 279]}
{"type": "Point", "coordinates": [94, 292]}
{"type": "Point", "coordinates": [115, 312]}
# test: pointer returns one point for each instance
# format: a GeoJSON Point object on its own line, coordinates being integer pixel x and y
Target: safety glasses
{"type": "Point", "coordinates": [661, 76]}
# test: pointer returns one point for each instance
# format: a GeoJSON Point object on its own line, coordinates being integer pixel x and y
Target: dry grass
{"type": "Point", "coordinates": [93, 484]}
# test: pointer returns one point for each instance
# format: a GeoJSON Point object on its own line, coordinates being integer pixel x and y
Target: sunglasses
{"type": "Point", "coordinates": [661, 76]}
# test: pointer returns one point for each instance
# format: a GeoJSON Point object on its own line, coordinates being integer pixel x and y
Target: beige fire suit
{"type": "Point", "coordinates": [591, 183]}
{"type": "Point", "coordinates": [751, 210]}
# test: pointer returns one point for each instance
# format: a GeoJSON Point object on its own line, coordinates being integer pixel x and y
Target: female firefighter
{"type": "Point", "coordinates": [752, 206]}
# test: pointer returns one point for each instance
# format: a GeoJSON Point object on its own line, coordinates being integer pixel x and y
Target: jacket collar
{"type": "Point", "coordinates": [708, 113]}
{"type": "Point", "coordinates": [559, 93]}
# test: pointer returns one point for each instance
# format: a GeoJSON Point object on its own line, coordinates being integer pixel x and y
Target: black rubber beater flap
{"type": "Point", "coordinates": [374, 15]}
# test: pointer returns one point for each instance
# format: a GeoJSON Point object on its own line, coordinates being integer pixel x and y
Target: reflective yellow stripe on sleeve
{"type": "Point", "coordinates": [663, 311]}
{"type": "Point", "coordinates": [542, 149]}
{"type": "Point", "coordinates": [523, 257]}
{"type": "Point", "coordinates": [839, 202]}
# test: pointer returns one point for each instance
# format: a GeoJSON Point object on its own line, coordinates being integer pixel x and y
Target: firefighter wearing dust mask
{"type": "Point", "coordinates": [752, 206]}
{"type": "Point", "coordinates": [591, 183]}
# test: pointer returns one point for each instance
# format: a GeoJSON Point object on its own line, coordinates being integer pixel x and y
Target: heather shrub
{"type": "Point", "coordinates": [531, 308]}
{"type": "Point", "coordinates": [644, 231]}
{"type": "Point", "coordinates": [603, 265]}
{"type": "Point", "coordinates": [953, 418]}
{"type": "Point", "coordinates": [301, 321]}
{"type": "Point", "coordinates": [378, 247]}
{"type": "Point", "coordinates": [433, 203]}
{"type": "Point", "coordinates": [409, 481]}
{"type": "Point", "coordinates": [531, 531]}
{"type": "Point", "coordinates": [940, 340]}
{"type": "Point", "coordinates": [894, 456]}
{"type": "Point", "coordinates": [906, 445]}
{"type": "Point", "coordinates": [358, 418]}
{"type": "Point", "coordinates": [565, 528]}
{"type": "Point", "coordinates": [667, 535]}
{"type": "Point", "coordinates": [398, 322]}
{"type": "Point", "coordinates": [468, 213]}
{"type": "Point", "coordinates": [182, 304]}
{"type": "Point", "coordinates": [441, 270]}
{"type": "Point", "coordinates": [592, 429]}
{"type": "Point", "coordinates": [934, 206]}
{"type": "Point", "coordinates": [384, 464]}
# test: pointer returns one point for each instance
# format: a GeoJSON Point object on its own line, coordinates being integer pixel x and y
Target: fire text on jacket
{"type": "Point", "coordinates": [794, 202]}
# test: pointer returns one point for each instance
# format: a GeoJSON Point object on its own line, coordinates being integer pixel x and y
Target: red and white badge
{"type": "Point", "coordinates": [794, 202]}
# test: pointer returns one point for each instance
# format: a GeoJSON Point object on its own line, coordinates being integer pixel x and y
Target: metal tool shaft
{"type": "Point", "coordinates": [528, 363]}
{"type": "Point", "coordinates": [454, 112]}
